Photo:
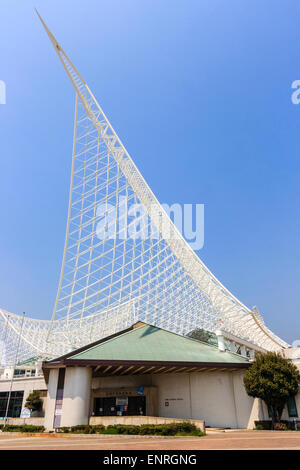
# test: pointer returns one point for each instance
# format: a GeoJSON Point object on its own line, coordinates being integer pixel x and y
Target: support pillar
{"type": "Point", "coordinates": [51, 399]}
{"type": "Point", "coordinates": [221, 341]}
{"type": "Point", "coordinates": [76, 398]}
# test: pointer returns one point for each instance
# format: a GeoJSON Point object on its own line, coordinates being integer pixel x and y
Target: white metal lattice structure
{"type": "Point", "coordinates": [33, 333]}
{"type": "Point", "coordinates": [108, 281]}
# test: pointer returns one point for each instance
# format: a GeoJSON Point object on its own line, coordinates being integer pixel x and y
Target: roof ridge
{"type": "Point", "coordinates": [112, 339]}
{"type": "Point", "coordinates": [115, 338]}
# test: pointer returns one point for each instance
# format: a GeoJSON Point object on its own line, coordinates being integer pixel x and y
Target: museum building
{"type": "Point", "coordinates": [146, 371]}
{"type": "Point", "coordinates": [140, 375]}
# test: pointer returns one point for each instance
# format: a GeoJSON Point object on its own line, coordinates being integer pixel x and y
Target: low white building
{"type": "Point", "coordinates": [16, 383]}
{"type": "Point", "coordinates": [149, 371]}
{"type": "Point", "coordinates": [145, 374]}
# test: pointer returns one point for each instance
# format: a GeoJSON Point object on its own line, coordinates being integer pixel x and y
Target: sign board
{"type": "Point", "coordinates": [121, 401]}
{"type": "Point", "coordinates": [25, 413]}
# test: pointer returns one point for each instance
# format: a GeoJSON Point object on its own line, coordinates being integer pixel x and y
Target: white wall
{"type": "Point", "coordinates": [217, 397]}
{"type": "Point", "coordinates": [174, 390]}
{"type": "Point", "coordinates": [125, 381]}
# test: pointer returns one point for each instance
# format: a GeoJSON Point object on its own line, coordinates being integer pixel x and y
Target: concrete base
{"type": "Point", "coordinates": [20, 421]}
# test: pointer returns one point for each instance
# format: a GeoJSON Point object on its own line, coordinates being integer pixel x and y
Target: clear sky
{"type": "Point", "coordinates": [200, 94]}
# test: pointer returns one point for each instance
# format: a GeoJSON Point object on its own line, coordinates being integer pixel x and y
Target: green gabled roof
{"type": "Point", "coordinates": [149, 343]}
{"type": "Point", "coordinates": [28, 362]}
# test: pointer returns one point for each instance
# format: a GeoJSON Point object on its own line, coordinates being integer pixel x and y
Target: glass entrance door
{"type": "Point", "coordinates": [137, 406]}
{"type": "Point", "coordinates": [120, 406]}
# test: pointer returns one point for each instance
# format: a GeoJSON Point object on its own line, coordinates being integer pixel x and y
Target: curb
{"type": "Point", "coordinates": [89, 436]}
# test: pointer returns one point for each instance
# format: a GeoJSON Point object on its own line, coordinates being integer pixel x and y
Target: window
{"type": "Point", "coordinates": [292, 407]}
{"type": "Point", "coordinates": [15, 404]}
{"type": "Point", "coordinates": [19, 372]}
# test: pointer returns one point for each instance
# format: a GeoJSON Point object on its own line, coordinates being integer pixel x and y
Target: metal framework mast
{"type": "Point", "coordinates": [161, 279]}
{"type": "Point", "coordinates": [108, 282]}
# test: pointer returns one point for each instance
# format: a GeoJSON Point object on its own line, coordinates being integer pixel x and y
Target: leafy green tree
{"type": "Point", "coordinates": [274, 379]}
{"type": "Point", "coordinates": [34, 401]}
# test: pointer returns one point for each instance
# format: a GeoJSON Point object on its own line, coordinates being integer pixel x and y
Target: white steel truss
{"type": "Point", "coordinates": [108, 282]}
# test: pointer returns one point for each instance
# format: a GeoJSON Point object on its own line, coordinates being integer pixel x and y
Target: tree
{"type": "Point", "coordinates": [274, 379]}
{"type": "Point", "coordinates": [34, 401]}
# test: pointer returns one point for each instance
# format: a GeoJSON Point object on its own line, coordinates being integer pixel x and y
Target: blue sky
{"type": "Point", "coordinates": [200, 94]}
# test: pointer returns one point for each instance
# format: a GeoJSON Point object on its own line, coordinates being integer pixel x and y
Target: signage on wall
{"type": "Point", "coordinates": [25, 413]}
{"type": "Point", "coordinates": [167, 400]}
{"type": "Point", "coordinates": [115, 393]}
{"type": "Point", "coordinates": [121, 401]}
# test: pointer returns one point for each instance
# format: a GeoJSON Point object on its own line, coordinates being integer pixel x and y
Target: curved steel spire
{"type": "Point", "coordinates": [163, 279]}
{"type": "Point", "coordinates": [108, 282]}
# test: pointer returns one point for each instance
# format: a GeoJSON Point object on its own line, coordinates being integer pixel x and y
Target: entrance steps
{"type": "Point", "coordinates": [212, 430]}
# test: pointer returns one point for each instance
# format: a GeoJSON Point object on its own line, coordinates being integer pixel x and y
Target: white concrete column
{"type": "Point", "coordinates": [51, 399]}
{"type": "Point", "coordinates": [252, 354]}
{"type": "Point", "coordinates": [76, 399]}
{"type": "Point", "coordinates": [8, 373]}
{"type": "Point", "coordinates": [221, 341]}
{"type": "Point", "coordinates": [38, 370]}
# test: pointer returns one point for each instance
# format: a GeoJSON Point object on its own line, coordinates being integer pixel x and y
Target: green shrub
{"type": "Point", "coordinates": [23, 428]}
{"type": "Point", "coordinates": [171, 429]}
{"type": "Point", "coordinates": [196, 433]}
{"type": "Point", "coordinates": [82, 429]}
{"type": "Point", "coordinates": [283, 425]}
{"type": "Point", "coordinates": [63, 429]}
{"type": "Point", "coordinates": [148, 429]}
{"type": "Point", "coordinates": [263, 425]}
{"type": "Point", "coordinates": [99, 428]}
{"type": "Point", "coordinates": [273, 379]}
{"type": "Point", "coordinates": [280, 427]}
{"type": "Point", "coordinates": [34, 401]}
{"type": "Point", "coordinates": [110, 430]}
{"type": "Point", "coordinates": [186, 426]}
{"type": "Point", "coordinates": [126, 429]}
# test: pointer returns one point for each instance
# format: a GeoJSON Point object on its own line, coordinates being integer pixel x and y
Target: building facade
{"type": "Point", "coordinates": [148, 371]}
{"type": "Point", "coordinates": [16, 383]}
{"type": "Point", "coordinates": [143, 374]}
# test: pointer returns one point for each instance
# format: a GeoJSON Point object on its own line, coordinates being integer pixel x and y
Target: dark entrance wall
{"type": "Point", "coordinates": [144, 397]}
{"type": "Point", "coordinates": [120, 406]}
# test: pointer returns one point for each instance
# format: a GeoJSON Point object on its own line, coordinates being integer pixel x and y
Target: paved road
{"type": "Point", "coordinates": [222, 440]}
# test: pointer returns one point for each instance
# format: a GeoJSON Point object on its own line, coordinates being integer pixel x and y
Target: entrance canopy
{"type": "Point", "coordinates": [146, 349]}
